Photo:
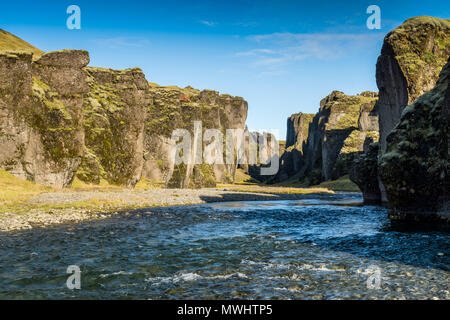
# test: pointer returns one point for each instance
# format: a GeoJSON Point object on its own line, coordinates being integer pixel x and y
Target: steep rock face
{"type": "Point", "coordinates": [410, 61]}
{"type": "Point", "coordinates": [176, 108]}
{"type": "Point", "coordinates": [322, 147]}
{"type": "Point", "coordinates": [114, 119]}
{"type": "Point", "coordinates": [15, 100]}
{"type": "Point", "coordinates": [291, 160]}
{"type": "Point", "coordinates": [364, 173]}
{"type": "Point", "coordinates": [41, 134]}
{"type": "Point", "coordinates": [364, 169]}
{"type": "Point", "coordinates": [414, 169]}
{"type": "Point", "coordinates": [60, 119]}
{"type": "Point", "coordinates": [339, 133]}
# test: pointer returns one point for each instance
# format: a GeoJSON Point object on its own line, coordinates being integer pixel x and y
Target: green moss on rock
{"type": "Point", "coordinates": [415, 166]}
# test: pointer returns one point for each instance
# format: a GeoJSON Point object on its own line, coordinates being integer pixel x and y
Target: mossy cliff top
{"type": "Point", "coordinates": [191, 94]}
{"type": "Point", "coordinates": [339, 111]}
{"type": "Point", "coordinates": [64, 58]}
{"type": "Point", "coordinates": [175, 107]}
{"type": "Point", "coordinates": [114, 80]}
{"type": "Point", "coordinates": [9, 42]}
{"type": "Point", "coordinates": [421, 45]}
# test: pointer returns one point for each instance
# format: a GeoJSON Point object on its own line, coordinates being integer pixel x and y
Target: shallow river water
{"type": "Point", "coordinates": [326, 247]}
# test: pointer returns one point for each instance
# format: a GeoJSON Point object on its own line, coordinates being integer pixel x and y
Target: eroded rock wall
{"type": "Point", "coordinates": [176, 108]}
{"type": "Point", "coordinates": [322, 147]}
{"type": "Point", "coordinates": [41, 135]}
{"type": "Point", "coordinates": [114, 118]}
{"type": "Point", "coordinates": [411, 59]}
{"type": "Point", "coordinates": [414, 168]}
{"type": "Point", "coordinates": [292, 159]}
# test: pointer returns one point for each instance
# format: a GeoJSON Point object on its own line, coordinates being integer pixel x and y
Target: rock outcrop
{"type": "Point", "coordinates": [414, 168]}
{"type": "Point", "coordinates": [292, 159]}
{"type": "Point", "coordinates": [364, 173]}
{"type": "Point", "coordinates": [60, 119]}
{"type": "Point", "coordinates": [322, 147]}
{"type": "Point", "coordinates": [176, 108]}
{"type": "Point", "coordinates": [114, 119]}
{"type": "Point", "coordinates": [411, 59]}
{"type": "Point", "coordinates": [41, 133]}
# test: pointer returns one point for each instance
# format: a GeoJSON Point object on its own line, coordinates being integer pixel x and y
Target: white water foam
{"type": "Point", "coordinates": [186, 277]}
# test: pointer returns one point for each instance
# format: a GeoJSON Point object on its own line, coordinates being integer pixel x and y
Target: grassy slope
{"type": "Point", "coordinates": [9, 42]}
{"type": "Point", "coordinates": [15, 193]}
{"type": "Point", "coordinates": [15, 189]}
{"type": "Point", "coordinates": [341, 184]}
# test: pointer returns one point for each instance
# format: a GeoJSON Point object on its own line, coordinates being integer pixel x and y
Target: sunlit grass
{"type": "Point", "coordinates": [15, 189]}
{"type": "Point", "coordinates": [341, 184]}
{"type": "Point", "coordinates": [276, 190]}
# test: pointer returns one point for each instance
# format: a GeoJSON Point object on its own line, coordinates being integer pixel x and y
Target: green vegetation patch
{"type": "Point", "coordinates": [9, 42]}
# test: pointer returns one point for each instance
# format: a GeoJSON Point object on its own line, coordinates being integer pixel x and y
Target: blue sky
{"type": "Point", "coordinates": [283, 57]}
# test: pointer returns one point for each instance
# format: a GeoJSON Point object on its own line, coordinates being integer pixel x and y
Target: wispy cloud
{"type": "Point", "coordinates": [255, 52]}
{"type": "Point", "coordinates": [208, 23]}
{"type": "Point", "coordinates": [280, 49]}
{"type": "Point", "coordinates": [122, 42]}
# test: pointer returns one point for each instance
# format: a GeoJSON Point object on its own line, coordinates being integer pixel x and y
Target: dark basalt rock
{"type": "Point", "coordinates": [411, 59]}
{"type": "Point", "coordinates": [322, 147]}
{"type": "Point", "coordinates": [365, 174]}
{"type": "Point", "coordinates": [414, 169]}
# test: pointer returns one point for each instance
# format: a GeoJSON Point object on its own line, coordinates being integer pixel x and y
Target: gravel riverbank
{"type": "Point", "coordinates": [69, 206]}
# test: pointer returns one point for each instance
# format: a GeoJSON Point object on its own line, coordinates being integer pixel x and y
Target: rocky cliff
{"type": "Point", "coordinates": [364, 173]}
{"type": "Point", "coordinates": [177, 108]}
{"type": "Point", "coordinates": [414, 169]}
{"type": "Point", "coordinates": [292, 159]}
{"type": "Point", "coordinates": [60, 119]}
{"type": "Point", "coordinates": [411, 59]}
{"type": "Point", "coordinates": [41, 132]}
{"type": "Point", "coordinates": [323, 146]}
{"type": "Point", "coordinates": [114, 119]}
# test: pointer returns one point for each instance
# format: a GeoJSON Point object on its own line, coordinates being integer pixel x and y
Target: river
{"type": "Point", "coordinates": [322, 247]}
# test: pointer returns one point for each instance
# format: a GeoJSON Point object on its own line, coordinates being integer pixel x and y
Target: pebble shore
{"type": "Point", "coordinates": [124, 199]}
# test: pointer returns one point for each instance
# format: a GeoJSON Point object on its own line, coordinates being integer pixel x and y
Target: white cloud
{"type": "Point", "coordinates": [280, 49]}
{"type": "Point", "coordinates": [208, 23]}
{"type": "Point", "coordinates": [255, 52]}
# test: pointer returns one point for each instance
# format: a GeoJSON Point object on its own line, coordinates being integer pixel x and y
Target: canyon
{"type": "Point", "coordinates": [62, 120]}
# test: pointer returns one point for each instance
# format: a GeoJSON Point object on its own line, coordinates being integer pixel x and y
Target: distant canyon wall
{"type": "Point", "coordinates": [322, 147]}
